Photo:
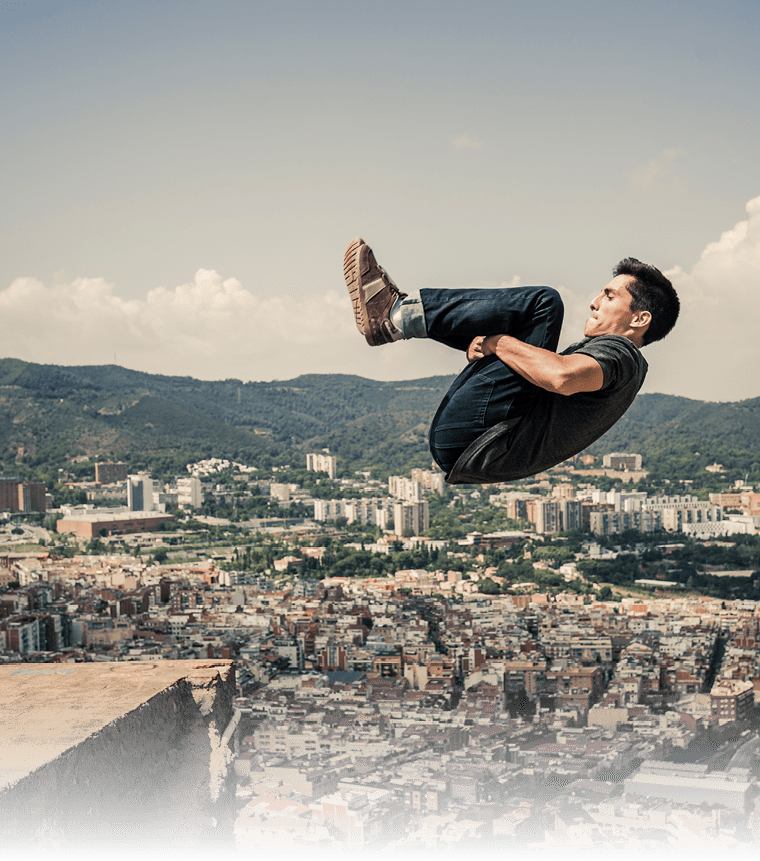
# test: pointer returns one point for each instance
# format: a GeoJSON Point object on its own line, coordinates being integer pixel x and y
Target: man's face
{"type": "Point", "coordinates": [611, 310]}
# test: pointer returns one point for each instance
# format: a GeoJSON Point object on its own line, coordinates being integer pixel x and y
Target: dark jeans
{"type": "Point", "coordinates": [487, 391]}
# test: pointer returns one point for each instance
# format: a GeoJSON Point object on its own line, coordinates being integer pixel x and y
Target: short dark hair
{"type": "Point", "coordinates": [651, 291]}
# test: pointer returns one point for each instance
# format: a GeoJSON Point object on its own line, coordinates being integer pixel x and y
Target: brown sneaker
{"type": "Point", "coordinates": [372, 293]}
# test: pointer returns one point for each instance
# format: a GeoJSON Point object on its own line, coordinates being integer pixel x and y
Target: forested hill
{"type": "Point", "coordinates": [54, 413]}
{"type": "Point", "coordinates": [678, 436]}
{"type": "Point", "coordinates": [302, 407]}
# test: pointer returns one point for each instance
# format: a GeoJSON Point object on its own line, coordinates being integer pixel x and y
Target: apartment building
{"type": "Point", "coordinates": [432, 482]}
{"type": "Point", "coordinates": [110, 473]}
{"type": "Point", "coordinates": [140, 493]}
{"type": "Point", "coordinates": [557, 515]}
{"type": "Point", "coordinates": [731, 700]}
{"type": "Point", "coordinates": [406, 489]}
{"type": "Point", "coordinates": [18, 495]}
{"type": "Point", "coordinates": [410, 518]}
{"type": "Point", "coordinates": [366, 510]}
{"type": "Point", "coordinates": [515, 504]}
{"type": "Point", "coordinates": [322, 462]}
{"type": "Point", "coordinates": [575, 687]}
{"type": "Point", "coordinates": [622, 460]}
{"type": "Point", "coordinates": [609, 522]}
{"type": "Point", "coordinates": [748, 502]}
{"type": "Point", "coordinates": [189, 492]}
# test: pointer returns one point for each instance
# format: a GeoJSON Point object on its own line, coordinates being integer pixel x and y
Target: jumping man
{"type": "Point", "coordinates": [519, 407]}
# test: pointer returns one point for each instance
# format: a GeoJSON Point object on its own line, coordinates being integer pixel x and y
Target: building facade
{"type": "Point", "coordinates": [318, 462]}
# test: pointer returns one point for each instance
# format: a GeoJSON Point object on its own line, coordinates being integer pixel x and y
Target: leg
{"type": "Point", "coordinates": [455, 317]}
{"type": "Point", "coordinates": [487, 391]}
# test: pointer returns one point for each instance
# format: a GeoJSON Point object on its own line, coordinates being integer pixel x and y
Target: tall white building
{"type": "Point", "coordinates": [363, 510]}
{"type": "Point", "coordinates": [404, 488]}
{"type": "Point", "coordinates": [189, 492]}
{"type": "Point", "coordinates": [283, 493]}
{"type": "Point", "coordinates": [329, 509]}
{"type": "Point", "coordinates": [410, 518]}
{"type": "Point", "coordinates": [317, 462]}
{"type": "Point", "coordinates": [558, 515]}
{"type": "Point", "coordinates": [430, 480]}
{"type": "Point", "coordinates": [140, 493]}
{"type": "Point", "coordinates": [373, 511]}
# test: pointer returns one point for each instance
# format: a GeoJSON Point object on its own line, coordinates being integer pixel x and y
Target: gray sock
{"type": "Point", "coordinates": [408, 316]}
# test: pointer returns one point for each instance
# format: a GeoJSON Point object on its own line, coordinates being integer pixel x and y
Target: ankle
{"type": "Point", "coordinates": [408, 316]}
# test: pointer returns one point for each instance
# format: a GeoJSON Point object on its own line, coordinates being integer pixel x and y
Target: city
{"type": "Point", "coordinates": [568, 662]}
{"type": "Point", "coordinates": [242, 613]}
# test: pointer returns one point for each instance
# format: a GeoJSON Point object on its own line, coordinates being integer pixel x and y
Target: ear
{"type": "Point", "coordinates": [641, 319]}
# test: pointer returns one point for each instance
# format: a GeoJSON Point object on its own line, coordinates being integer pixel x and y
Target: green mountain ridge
{"type": "Point", "coordinates": [678, 436]}
{"type": "Point", "coordinates": [54, 414]}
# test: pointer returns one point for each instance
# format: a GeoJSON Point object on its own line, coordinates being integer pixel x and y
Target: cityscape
{"type": "Point", "coordinates": [242, 612]}
{"type": "Point", "coordinates": [570, 662]}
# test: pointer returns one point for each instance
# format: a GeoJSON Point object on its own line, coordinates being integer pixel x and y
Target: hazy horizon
{"type": "Point", "coordinates": [316, 374]}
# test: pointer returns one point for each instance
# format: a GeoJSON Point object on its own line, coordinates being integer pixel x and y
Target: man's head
{"type": "Point", "coordinates": [639, 303]}
{"type": "Point", "coordinates": [650, 291]}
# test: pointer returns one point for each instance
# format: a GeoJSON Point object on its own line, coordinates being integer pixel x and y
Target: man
{"type": "Point", "coordinates": [519, 407]}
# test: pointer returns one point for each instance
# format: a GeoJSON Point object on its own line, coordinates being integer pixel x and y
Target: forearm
{"type": "Point", "coordinates": [540, 367]}
{"type": "Point", "coordinates": [564, 375]}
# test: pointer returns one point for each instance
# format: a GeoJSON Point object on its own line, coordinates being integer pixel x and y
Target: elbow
{"type": "Point", "coordinates": [562, 384]}
{"type": "Point", "coordinates": [573, 376]}
{"type": "Point", "coordinates": [568, 389]}
{"type": "Point", "coordinates": [573, 384]}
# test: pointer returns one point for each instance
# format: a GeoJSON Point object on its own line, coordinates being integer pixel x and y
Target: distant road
{"type": "Point", "coordinates": [743, 756]}
{"type": "Point", "coordinates": [31, 535]}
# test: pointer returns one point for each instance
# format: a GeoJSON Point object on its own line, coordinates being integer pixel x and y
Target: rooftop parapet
{"type": "Point", "coordinates": [117, 751]}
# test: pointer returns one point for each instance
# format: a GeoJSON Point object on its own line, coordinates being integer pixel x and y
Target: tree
{"type": "Point", "coordinates": [96, 547]}
{"type": "Point", "coordinates": [558, 555]}
{"type": "Point", "coordinates": [488, 586]}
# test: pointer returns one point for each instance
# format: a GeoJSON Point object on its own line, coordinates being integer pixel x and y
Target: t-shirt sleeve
{"type": "Point", "coordinates": [620, 359]}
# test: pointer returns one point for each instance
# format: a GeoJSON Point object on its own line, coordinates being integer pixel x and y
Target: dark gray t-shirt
{"type": "Point", "coordinates": [557, 427]}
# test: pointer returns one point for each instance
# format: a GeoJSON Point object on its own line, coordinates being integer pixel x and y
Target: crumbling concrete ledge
{"type": "Point", "coordinates": [102, 753]}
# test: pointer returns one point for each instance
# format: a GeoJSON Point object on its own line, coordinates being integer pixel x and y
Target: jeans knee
{"type": "Point", "coordinates": [550, 299]}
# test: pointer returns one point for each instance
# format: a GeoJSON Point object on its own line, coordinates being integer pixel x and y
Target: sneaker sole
{"type": "Point", "coordinates": [358, 263]}
{"type": "Point", "coordinates": [352, 276]}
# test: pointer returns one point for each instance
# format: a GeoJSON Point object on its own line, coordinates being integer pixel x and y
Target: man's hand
{"type": "Point", "coordinates": [476, 349]}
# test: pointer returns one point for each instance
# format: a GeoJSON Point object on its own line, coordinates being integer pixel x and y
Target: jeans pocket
{"type": "Point", "coordinates": [461, 421]}
{"type": "Point", "coordinates": [447, 443]}
{"type": "Point", "coordinates": [468, 406]}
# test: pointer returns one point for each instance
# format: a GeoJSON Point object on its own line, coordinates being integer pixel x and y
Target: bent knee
{"type": "Point", "coordinates": [550, 298]}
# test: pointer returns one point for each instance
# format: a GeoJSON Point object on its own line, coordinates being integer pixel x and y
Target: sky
{"type": "Point", "coordinates": [179, 180]}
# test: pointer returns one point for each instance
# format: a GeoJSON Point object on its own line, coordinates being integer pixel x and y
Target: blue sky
{"type": "Point", "coordinates": [180, 179]}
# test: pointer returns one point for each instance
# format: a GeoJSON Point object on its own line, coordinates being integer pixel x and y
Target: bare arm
{"type": "Point", "coordinates": [564, 375]}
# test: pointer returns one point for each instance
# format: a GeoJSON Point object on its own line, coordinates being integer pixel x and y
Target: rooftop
{"type": "Point", "coordinates": [49, 709]}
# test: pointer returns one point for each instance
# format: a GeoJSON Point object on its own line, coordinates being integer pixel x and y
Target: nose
{"type": "Point", "coordinates": [595, 303]}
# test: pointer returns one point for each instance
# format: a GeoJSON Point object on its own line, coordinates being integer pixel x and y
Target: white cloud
{"type": "Point", "coordinates": [216, 328]}
{"type": "Point", "coordinates": [714, 351]}
{"type": "Point", "coordinates": [465, 142]}
{"type": "Point", "coordinates": [658, 171]}
{"type": "Point", "coordinates": [210, 328]}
